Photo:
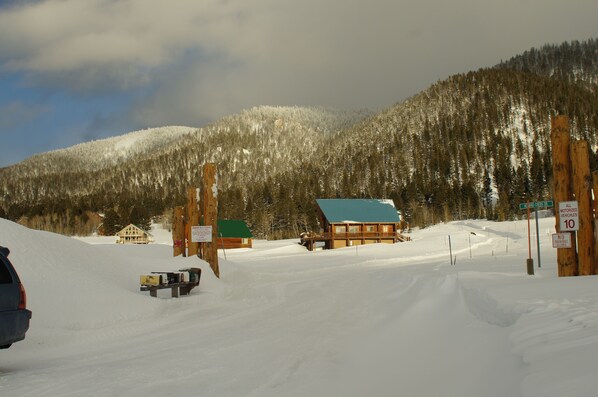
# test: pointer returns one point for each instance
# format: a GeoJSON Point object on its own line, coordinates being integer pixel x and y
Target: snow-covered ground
{"type": "Point", "coordinates": [377, 320]}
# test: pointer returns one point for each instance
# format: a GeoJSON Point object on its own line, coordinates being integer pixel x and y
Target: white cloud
{"type": "Point", "coordinates": [208, 58]}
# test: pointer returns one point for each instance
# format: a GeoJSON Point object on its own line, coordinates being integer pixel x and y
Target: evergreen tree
{"type": "Point", "coordinates": [487, 200]}
{"type": "Point", "coordinates": [112, 223]}
{"type": "Point", "coordinates": [140, 217]}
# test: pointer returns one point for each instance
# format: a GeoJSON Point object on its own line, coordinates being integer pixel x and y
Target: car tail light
{"type": "Point", "coordinates": [23, 300]}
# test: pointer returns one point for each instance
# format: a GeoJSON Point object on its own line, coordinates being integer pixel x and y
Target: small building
{"type": "Point", "coordinates": [349, 222]}
{"type": "Point", "coordinates": [234, 234]}
{"type": "Point", "coordinates": [132, 234]}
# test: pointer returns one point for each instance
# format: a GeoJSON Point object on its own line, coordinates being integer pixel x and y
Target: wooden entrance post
{"type": "Point", "coordinates": [561, 171]}
{"type": "Point", "coordinates": [582, 188]}
{"type": "Point", "coordinates": [210, 214]}
{"type": "Point", "coordinates": [192, 219]}
{"type": "Point", "coordinates": [595, 183]}
{"type": "Point", "coordinates": [178, 231]}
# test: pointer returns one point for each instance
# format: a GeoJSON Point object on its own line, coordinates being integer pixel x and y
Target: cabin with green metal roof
{"type": "Point", "coordinates": [349, 222]}
{"type": "Point", "coordinates": [234, 234]}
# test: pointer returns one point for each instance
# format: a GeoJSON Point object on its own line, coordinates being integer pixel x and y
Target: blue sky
{"type": "Point", "coordinates": [72, 71]}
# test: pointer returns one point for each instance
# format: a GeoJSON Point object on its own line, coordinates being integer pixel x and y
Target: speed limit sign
{"type": "Point", "coordinates": [569, 216]}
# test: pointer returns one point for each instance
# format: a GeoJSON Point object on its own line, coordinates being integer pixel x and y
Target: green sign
{"type": "Point", "coordinates": [536, 204]}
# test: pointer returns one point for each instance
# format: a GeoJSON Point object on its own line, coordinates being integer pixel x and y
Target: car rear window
{"type": "Point", "coordinates": [5, 277]}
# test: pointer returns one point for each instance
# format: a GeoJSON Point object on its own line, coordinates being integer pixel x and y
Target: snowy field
{"type": "Point", "coordinates": [377, 320]}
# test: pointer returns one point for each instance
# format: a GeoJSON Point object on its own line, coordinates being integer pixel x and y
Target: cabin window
{"type": "Point", "coordinates": [370, 228]}
{"type": "Point", "coordinates": [245, 241]}
{"type": "Point", "coordinates": [354, 229]}
{"type": "Point", "coordinates": [340, 229]}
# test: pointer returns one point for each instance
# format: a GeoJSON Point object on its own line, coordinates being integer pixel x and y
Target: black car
{"type": "Point", "coordinates": [14, 316]}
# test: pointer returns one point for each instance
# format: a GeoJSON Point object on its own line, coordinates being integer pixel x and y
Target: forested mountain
{"type": "Point", "coordinates": [575, 61]}
{"type": "Point", "coordinates": [473, 145]}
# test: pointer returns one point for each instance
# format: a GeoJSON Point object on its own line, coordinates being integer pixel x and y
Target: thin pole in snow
{"type": "Point", "coordinates": [223, 250]}
{"type": "Point", "coordinates": [450, 248]}
{"type": "Point", "coordinates": [469, 246]}
{"type": "Point", "coordinates": [530, 261]}
{"type": "Point", "coordinates": [538, 239]}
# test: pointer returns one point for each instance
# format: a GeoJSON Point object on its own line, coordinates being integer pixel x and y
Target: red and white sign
{"type": "Point", "coordinates": [568, 216]}
{"type": "Point", "coordinates": [561, 240]}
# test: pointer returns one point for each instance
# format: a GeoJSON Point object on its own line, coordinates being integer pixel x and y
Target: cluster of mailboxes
{"type": "Point", "coordinates": [168, 278]}
{"type": "Point", "coordinates": [182, 281]}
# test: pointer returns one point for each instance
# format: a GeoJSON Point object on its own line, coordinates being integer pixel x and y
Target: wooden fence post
{"type": "Point", "coordinates": [561, 171]}
{"type": "Point", "coordinates": [582, 188]}
{"type": "Point", "coordinates": [192, 219]}
{"type": "Point", "coordinates": [210, 214]}
{"type": "Point", "coordinates": [178, 231]}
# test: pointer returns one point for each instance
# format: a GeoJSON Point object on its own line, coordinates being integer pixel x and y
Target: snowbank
{"type": "Point", "coordinates": [379, 320]}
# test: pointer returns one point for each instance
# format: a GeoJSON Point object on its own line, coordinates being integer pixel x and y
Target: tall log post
{"type": "Point", "coordinates": [210, 214]}
{"type": "Point", "coordinates": [178, 231]}
{"type": "Point", "coordinates": [595, 183]}
{"type": "Point", "coordinates": [561, 171]}
{"type": "Point", "coordinates": [200, 221]}
{"type": "Point", "coordinates": [582, 188]}
{"type": "Point", "coordinates": [192, 219]}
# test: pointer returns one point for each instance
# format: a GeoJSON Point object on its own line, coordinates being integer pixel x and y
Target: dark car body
{"type": "Point", "coordinates": [14, 316]}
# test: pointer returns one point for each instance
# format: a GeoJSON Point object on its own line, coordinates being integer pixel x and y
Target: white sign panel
{"type": "Point", "coordinates": [569, 216]}
{"type": "Point", "coordinates": [561, 240]}
{"type": "Point", "coordinates": [201, 234]}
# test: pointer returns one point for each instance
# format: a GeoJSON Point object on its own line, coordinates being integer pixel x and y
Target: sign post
{"type": "Point", "coordinates": [535, 205]}
{"type": "Point", "coordinates": [530, 260]}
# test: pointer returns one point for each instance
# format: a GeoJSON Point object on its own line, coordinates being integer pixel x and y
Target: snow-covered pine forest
{"type": "Point", "coordinates": [473, 145]}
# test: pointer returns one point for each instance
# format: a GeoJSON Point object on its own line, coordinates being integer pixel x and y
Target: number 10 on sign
{"type": "Point", "coordinates": [569, 216]}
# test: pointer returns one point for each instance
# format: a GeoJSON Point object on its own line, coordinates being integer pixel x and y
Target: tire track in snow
{"type": "Point", "coordinates": [437, 333]}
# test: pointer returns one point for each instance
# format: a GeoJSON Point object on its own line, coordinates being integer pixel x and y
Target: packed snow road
{"type": "Point", "coordinates": [380, 320]}
{"type": "Point", "coordinates": [349, 328]}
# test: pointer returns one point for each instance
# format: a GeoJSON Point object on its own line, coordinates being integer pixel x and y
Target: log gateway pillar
{"type": "Point", "coordinates": [192, 219]}
{"type": "Point", "coordinates": [595, 184]}
{"type": "Point", "coordinates": [178, 231]}
{"type": "Point", "coordinates": [582, 189]}
{"type": "Point", "coordinates": [210, 214]}
{"type": "Point", "coordinates": [561, 171]}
